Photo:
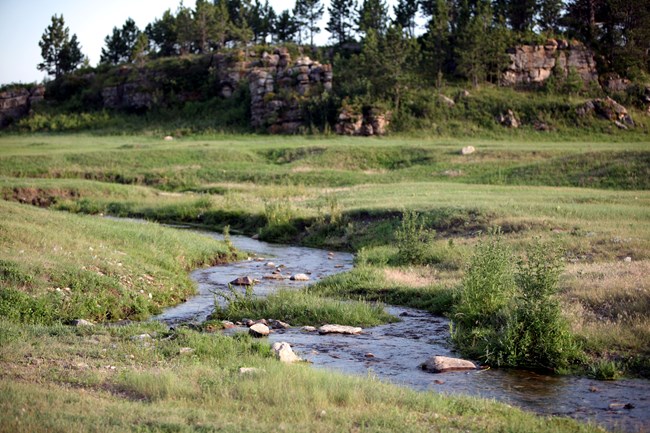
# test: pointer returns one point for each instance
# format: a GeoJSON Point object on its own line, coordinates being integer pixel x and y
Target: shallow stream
{"type": "Point", "coordinates": [394, 351]}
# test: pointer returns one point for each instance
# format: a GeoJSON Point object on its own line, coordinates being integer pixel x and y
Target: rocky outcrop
{"type": "Point", "coordinates": [17, 102]}
{"type": "Point", "coordinates": [508, 119]}
{"type": "Point", "coordinates": [534, 64]}
{"type": "Point", "coordinates": [371, 121]}
{"type": "Point", "coordinates": [279, 86]}
{"type": "Point", "coordinates": [441, 364]}
{"type": "Point", "coordinates": [607, 108]}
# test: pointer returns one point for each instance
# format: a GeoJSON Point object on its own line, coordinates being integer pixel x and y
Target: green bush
{"type": "Point", "coordinates": [509, 315]}
{"type": "Point", "coordinates": [413, 239]}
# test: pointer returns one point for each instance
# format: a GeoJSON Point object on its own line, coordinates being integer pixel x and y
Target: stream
{"type": "Point", "coordinates": [394, 351]}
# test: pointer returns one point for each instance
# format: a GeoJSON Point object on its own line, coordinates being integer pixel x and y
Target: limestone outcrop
{"type": "Point", "coordinates": [16, 103]}
{"type": "Point", "coordinates": [278, 87]}
{"type": "Point", "coordinates": [534, 64]}
{"type": "Point", "coordinates": [368, 122]}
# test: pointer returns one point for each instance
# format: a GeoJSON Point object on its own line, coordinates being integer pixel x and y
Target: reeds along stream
{"type": "Point", "coordinates": [393, 352]}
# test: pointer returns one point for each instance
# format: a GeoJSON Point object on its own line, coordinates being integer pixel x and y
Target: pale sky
{"type": "Point", "coordinates": [22, 23]}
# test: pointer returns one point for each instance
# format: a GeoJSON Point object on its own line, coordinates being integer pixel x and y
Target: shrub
{"type": "Point", "coordinates": [413, 239]}
{"type": "Point", "coordinates": [510, 316]}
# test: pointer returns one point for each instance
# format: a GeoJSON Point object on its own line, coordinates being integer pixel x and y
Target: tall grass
{"type": "Point", "coordinates": [303, 308]}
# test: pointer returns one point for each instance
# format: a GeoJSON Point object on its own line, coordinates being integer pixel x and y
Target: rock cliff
{"type": "Point", "coordinates": [17, 102]}
{"type": "Point", "coordinates": [278, 86]}
{"type": "Point", "coordinates": [533, 64]}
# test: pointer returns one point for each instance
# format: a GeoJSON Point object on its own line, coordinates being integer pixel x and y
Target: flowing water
{"type": "Point", "coordinates": [393, 352]}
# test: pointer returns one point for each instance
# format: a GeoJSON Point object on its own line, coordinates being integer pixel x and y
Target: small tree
{"type": "Point", "coordinates": [61, 53]}
{"type": "Point", "coordinates": [121, 43]}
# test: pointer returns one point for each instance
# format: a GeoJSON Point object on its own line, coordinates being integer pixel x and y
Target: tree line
{"type": "Point", "coordinates": [433, 38]}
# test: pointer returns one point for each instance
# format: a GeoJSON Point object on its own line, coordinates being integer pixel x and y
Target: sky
{"type": "Point", "coordinates": [22, 23]}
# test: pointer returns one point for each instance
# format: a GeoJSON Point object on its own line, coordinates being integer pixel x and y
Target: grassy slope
{"type": "Point", "coordinates": [56, 266]}
{"type": "Point", "coordinates": [344, 193]}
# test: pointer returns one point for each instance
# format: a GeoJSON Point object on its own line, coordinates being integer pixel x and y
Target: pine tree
{"type": "Point", "coordinates": [308, 13]}
{"type": "Point", "coordinates": [405, 12]}
{"type": "Point", "coordinates": [140, 49]}
{"type": "Point", "coordinates": [549, 14]}
{"type": "Point", "coordinates": [373, 14]}
{"type": "Point", "coordinates": [162, 34]}
{"type": "Point", "coordinates": [61, 53]}
{"type": "Point", "coordinates": [437, 42]}
{"type": "Point", "coordinates": [286, 27]}
{"type": "Point", "coordinates": [184, 29]}
{"type": "Point", "coordinates": [341, 20]}
{"type": "Point", "coordinates": [204, 25]}
{"type": "Point", "coordinates": [521, 14]}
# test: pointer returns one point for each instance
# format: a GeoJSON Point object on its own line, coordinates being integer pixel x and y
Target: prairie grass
{"type": "Point", "coordinates": [152, 386]}
{"type": "Point", "coordinates": [56, 266]}
{"type": "Point", "coordinates": [304, 308]}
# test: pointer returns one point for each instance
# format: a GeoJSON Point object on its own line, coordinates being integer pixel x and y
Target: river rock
{"type": "Point", "coordinates": [81, 322]}
{"type": "Point", "coordinates": [441, 364]}
{"type": "Point", "coordinates": [284, 353]}
{"type": "Point", "coordinates": [242, 281]}
{"type": "Point", "coordinates": [274, 276]}
{"type": "Point", "coordinates": [300, 277]}
{"type": "Point", "coordinates": [467, 150]}
{"type": "Point", "coordinates": [259, 330]}
{"type": "Point", "coordinates": [278, 324]}
{"type": "Point", "coordinates": [308, 329]}
{"type": "Point", "coordinates": [339, 329]}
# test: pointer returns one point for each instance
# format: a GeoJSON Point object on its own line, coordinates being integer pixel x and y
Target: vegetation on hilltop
{"type": "Point", "coordinates": [379, 59]}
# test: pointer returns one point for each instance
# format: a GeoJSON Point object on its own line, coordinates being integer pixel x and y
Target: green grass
{"type": "Point", "coordinates": [56, 267]}
{"type": "Point", "coordinates": [303, 307]}
{"type": "Point", "coordinates": [586, 193]}
{"type": "Point", "coordinates": [58, 378]}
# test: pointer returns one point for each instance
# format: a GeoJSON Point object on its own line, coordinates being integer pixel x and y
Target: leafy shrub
{"type": "Point", "coordinates": [413, 239]}
{"type": "Point", "coordinates": [510, 316]}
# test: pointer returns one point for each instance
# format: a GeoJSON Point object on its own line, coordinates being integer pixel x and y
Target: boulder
{"type": "Point", "coordinates": [259, 330]}
{"type": "Point", "coordinates": [278, 324]}
{"type": "Point", "coordinates": [339, 329]}
{"type": "Point", "coordinates": [81, 322]}
{"type": "Point", "coordinates": [242, 281]}
{"type": "Point", "coordinates": [284, 353]}
{"type": "Point", "coordinates": [608, 109]}
{"type": "Point", "coordinates": [467, 150]}
{"type": "Point", "coordinates": [308, 329]}
{"type": "Point", "coordinates": [299, 277]}
{"type": "Point", "coordinates": [508, 119]}
{"type": "Point", "coordinates": [441, 364]}
{"type": "Point", "coordinates": [447, 100]}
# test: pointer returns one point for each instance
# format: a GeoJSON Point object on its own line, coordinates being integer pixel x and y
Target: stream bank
{"type": "Point", "coordinates": [393, 352]}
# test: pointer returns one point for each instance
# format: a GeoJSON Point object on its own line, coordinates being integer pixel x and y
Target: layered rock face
{"type": "Point", "coordinates": [372, 122]}
{"type": "Point", "coordinates": [16, 103]}
{"type": "Point", "coordinates": [534, 64]}
{"type": "Point", "coordinates": [279, 85]}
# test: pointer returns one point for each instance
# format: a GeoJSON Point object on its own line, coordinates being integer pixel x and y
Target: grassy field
{"type": "Point", "coordinates": [588, 196]}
